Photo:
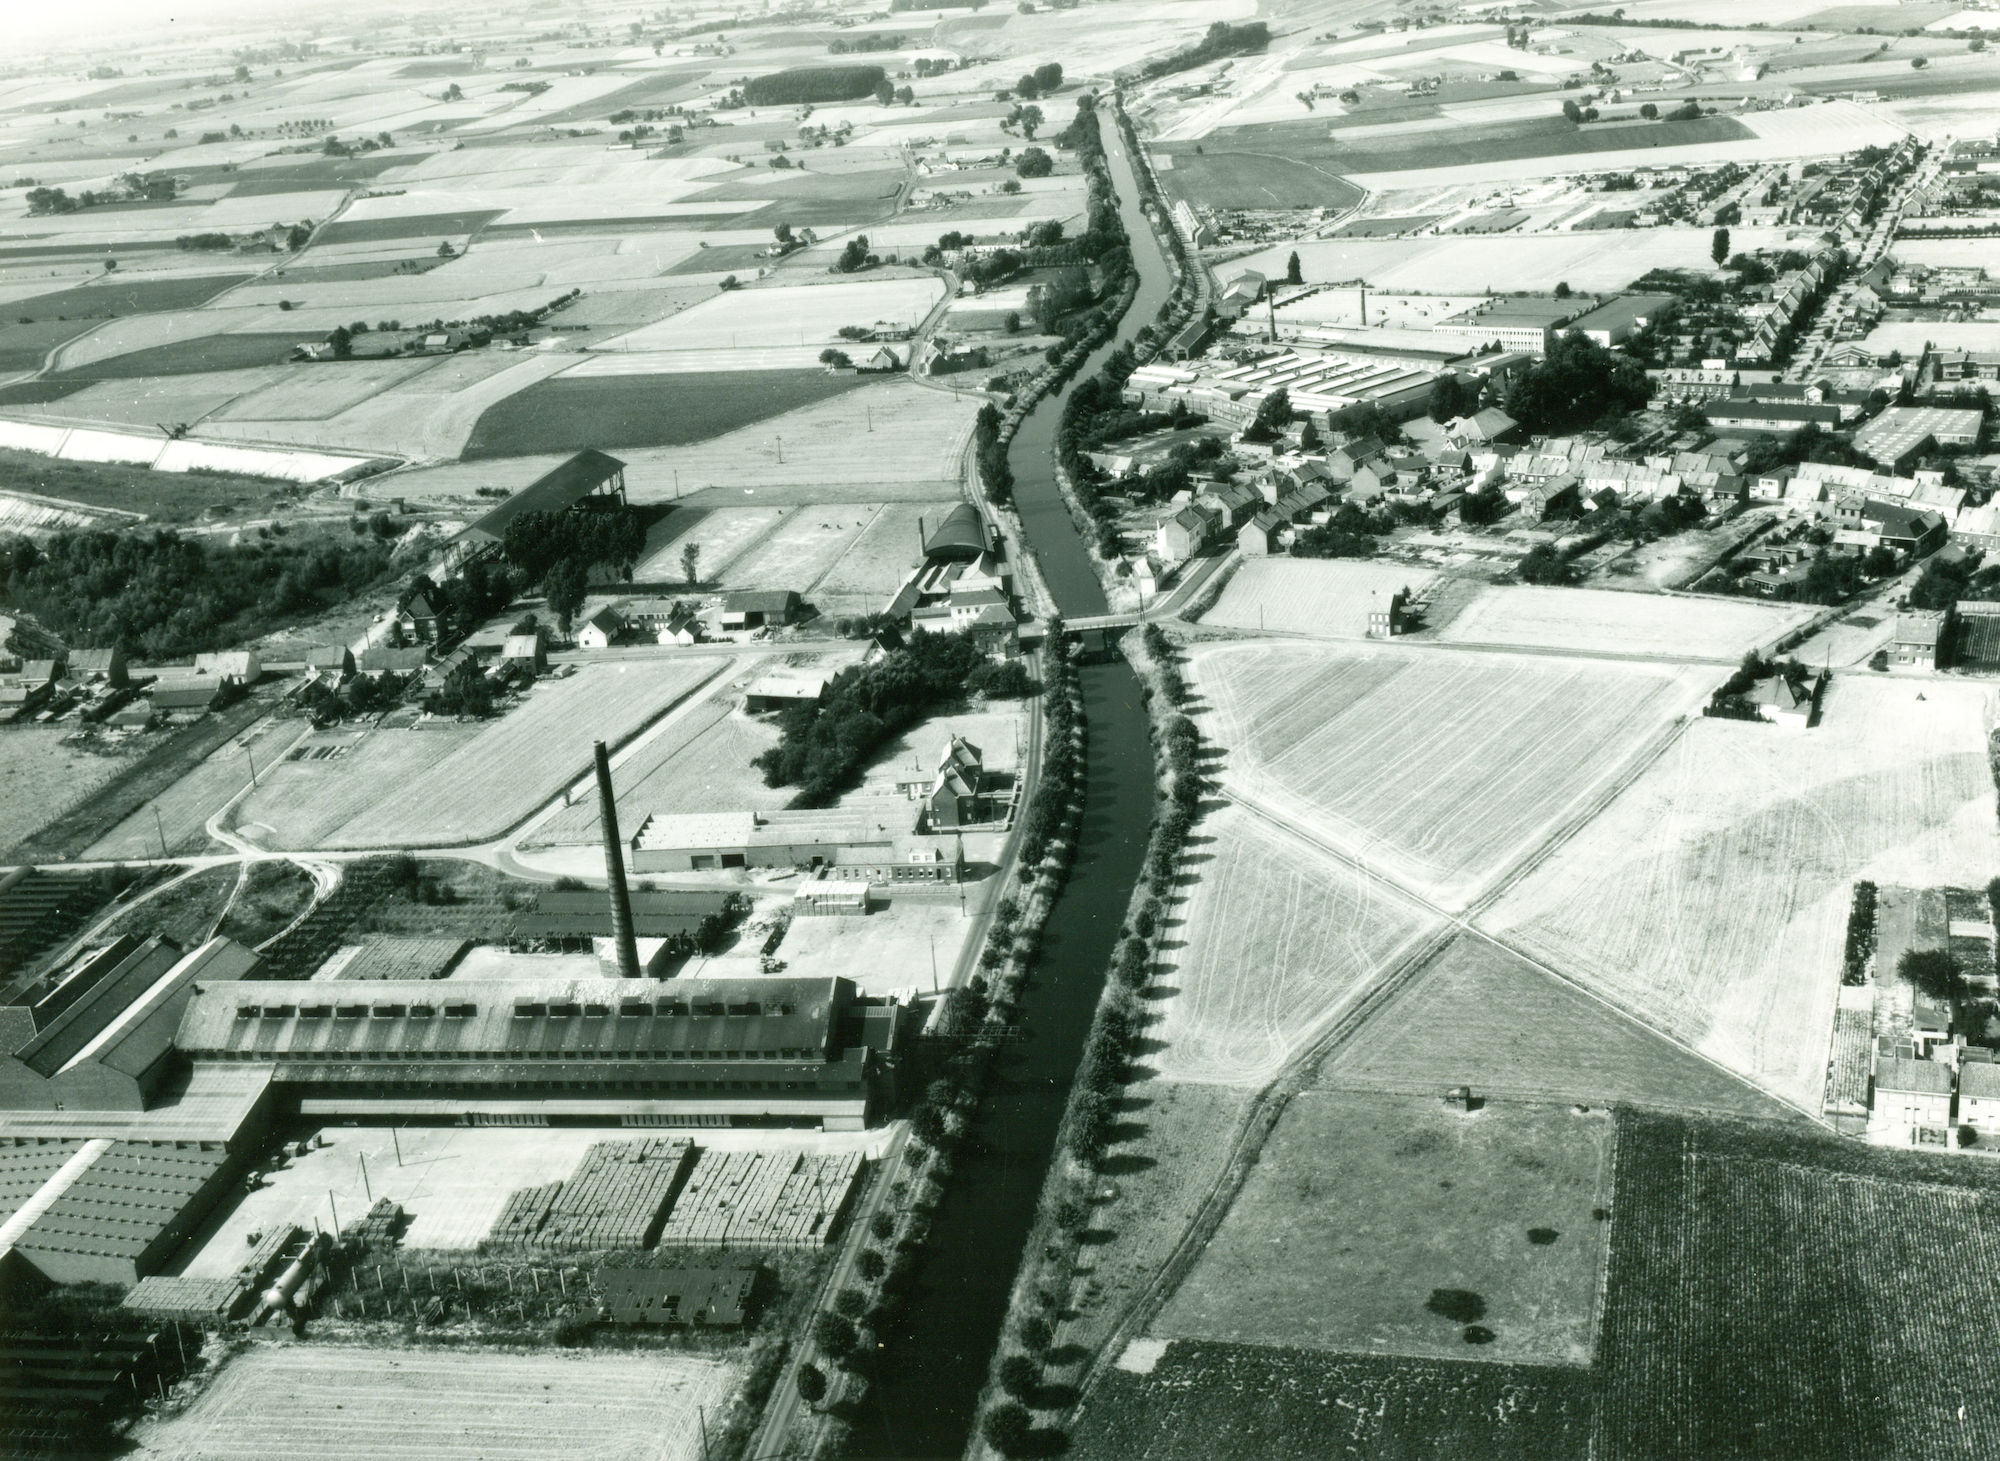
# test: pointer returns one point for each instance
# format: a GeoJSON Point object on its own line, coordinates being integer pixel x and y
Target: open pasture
{"type": "Point", "coordinates": [1417, 760]}
{"type": "Point", "coordinates": [1384, 1200]}
{"type": "Point", "coordinates": [801, 550]}
{"type": "Point", "coordinates": [147, 402]}
{"type": "Point", "coordinates": [1481, 1016]}
{"type": "Point", "coordinates": [321, 389]}
{"type": "Point", "coordinates": [799, 314]}
{"type": "Point", "coordinates": [1600, 621]}
{"type": "Point", "coordinates": [1271, 940]}
{"type": "Point", "coordinates": [1325, 597]}
{"type": "Point", "coordinates": [128, 349]}
{"type": "Point", "coordinates": [614, 412]}
{"type": "Point", "coordinates": [1773, 1292]}
{"type": "Point", "coordinates": [299, 802]}
{"type": "Point", "coordinates": [333, 1403]}
{"type": "Point", "coordinates": [522, 759]}
{"type": "Point", "coordinates": [884, 441]}
{"type": "Point", "coordinates": [719, 537]}
{"type": "Point", "coordinates": [1710, 898]}
{"type": "Point", "coordinates": [41, 777]}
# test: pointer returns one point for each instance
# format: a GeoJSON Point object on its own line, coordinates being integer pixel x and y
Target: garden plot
{"type": "Point", "coordinates": [878, 562]}
{"type": "Point", "coordinates": [1272, 940]}
{"type": "Point", "coordinates": [1326, 598]}
{"type": "Point", "coordinates": [304, 798]}
{"type": "Point", "coordinates": [788, 315]}
{"type": "Point", "coordinates": [1600, 621]}
{"type": "Point", "coordinates": [522, 759]}
{"type": "Point", "coordinates": [1710, 898]}
{"type": "Point", "coordinates": [1388, 1201]}
{"type": "Point", "coordinates": [334, 1403]}
{"type": "Point", "coordinates": [889, 441]}
{"type": "Point", "coordinates": [1439, 769]}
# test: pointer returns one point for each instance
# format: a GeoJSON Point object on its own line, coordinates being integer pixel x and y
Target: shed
{"type": "Point", "coordinates": [94, 665]}
{"type": "Point", "coordinates": [960, 535]}
{"type": "Point", "coordinates": [759, 608]}
{"type": "Point", "coordinates": [830, 897]}
{"type": "Point", "coordinates": [599, 631]}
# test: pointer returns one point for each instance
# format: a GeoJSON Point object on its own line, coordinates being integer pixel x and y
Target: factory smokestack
{"type": "Point", "coordinates": [614, 871]}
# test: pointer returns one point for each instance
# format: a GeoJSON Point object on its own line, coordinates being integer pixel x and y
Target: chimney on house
{"type": "Point", "coordinates": [614, 871]}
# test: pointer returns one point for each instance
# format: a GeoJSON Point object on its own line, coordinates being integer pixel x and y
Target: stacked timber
{"type": "Point", "coordinates": [521, 1216]}
{"type": "Point", "coordinates": [761, 1200]}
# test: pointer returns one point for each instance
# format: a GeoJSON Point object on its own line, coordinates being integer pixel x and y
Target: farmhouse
{"type": "Point", "coordinates": [235, 667]}
{"type": "Point", "coordinates": [1979, 1098]}
{"type": "Point", "coordinates": [1912, 1099]}
{"type": "Point", "coordinates": [959, 797]}
{"type": "Point", "coordinates": [759, 608]}
{"type": "Point", "coordinates": [1782, 702]}
{"type": "Point", "coordinates": [418, 620]}
{"type": "Point", "coordinates": [97, 666]}
{"type": "Point", "coordinates": [1868, 523]}
{"type": "Point", "coordinates": [590, 479]}
{"type": "Point", "coordinates": [684, 1052]}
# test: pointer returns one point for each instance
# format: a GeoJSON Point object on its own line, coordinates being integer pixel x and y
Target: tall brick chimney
{"type": "Point", "coordinates": [614, 871]}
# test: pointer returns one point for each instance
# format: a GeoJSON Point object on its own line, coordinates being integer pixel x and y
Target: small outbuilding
{"type": "Point", "coordinates": [759, 608]}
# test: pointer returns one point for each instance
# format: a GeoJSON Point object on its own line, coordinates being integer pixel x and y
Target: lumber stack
{"type": "Point", "coordinates": [763, 1200]}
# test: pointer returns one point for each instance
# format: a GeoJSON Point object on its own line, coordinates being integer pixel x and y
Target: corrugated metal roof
{"type": "Point", "coordinates": [555, 490]}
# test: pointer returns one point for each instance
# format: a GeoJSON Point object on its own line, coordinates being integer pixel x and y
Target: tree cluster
{"type": "Point", "coordinates": [1577, 384]}
{"type": "Point", "coordinates": [822, 745]}
{"type": "Point", "coordinates": [994, 470]}
{"type": "Point", "coordinates": [1221, 40]}
{"type": "Point", "coordinates": [162, 595]}
{"type": "Point", "coordinates": [813, 84]}
{"type": "Point", "coordinates": [613, 536]}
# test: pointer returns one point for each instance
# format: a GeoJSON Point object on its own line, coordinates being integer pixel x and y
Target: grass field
{"type": "Point", "coordinates": [145, 403]}
{"type": "Point", "coordinates": [1710, 898]}
{"type": "Point", "coordinates": [1478, 1015]}
{"type": "Point", "coordinates": [299, 803]}
{"type": "Point", "coordinates": [1273, 938]}
{"type": "Point", "coordinates": [801, 551]}
{"type": "Point", "coordinates": [1619, 623]}
{"type": "Point", "coordinates": [314, 392]}
{"type": "Point", "coordinates": [719, 537]}
{"type": "Point", "coordinates": [409, 225]}
{"type": "Point", "coordinates": [1200, 1401]}
{"type": "Point", "coordinates": [1415, 759]}
{"type": "Point", "coordinates": [117, 295]}
{"type": "Point", "coordinates": [165, 496]}
{"type": "Point", "coordinates": [1326, 598]}
{"type": "Point", "coordinates": [181, 811]}
{"type": "Point", "coordinates": [616, 412]}
{"type": "Point", "coordinates": [196, 355]}
{"type": "Point", "coordinates": [325, 1402]}
{"type": "Point", "coordinates": [522, 759]}
{"type": "Point", "coordinates": [1777, 1294]}
{"type": "Point", "coordinates": [876, 563]}
{"type": "Point", "coordinates": [40, 777]}
{"type": "Point", "coordinates": [22, 347]}
{"type": "Point", "coordinates": [1384, 1200]}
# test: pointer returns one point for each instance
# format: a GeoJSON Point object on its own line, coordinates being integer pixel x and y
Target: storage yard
{"type": "Point", "coordinates": [322, 1402]}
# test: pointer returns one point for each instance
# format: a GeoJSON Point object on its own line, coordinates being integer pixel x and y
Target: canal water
{"type": "Point", "coordinates": [931, 1373]}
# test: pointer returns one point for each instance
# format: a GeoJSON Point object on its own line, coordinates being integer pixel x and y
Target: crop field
{"type": "Point", "coordinates": [522, 759]}
{"type": "Point", "coordinates": [616, 412]}
{"type": "Point", "coordinates": [1774, 1294]}
{"type": "Point", "coordinates": [324, 1402]}
{"type": "Point", "coordinates": [1710, 898]}
{"type": "Point", "coordinates": [1200, 1400]}
{"type": "Point", "coordinates": [1602, 621]}
{"type": "Point", "coordinates": [1272, 939]}
{"type": "Point", "coordinates": [1478, 1015]}
{"type": "Point", "coordinates": [1349, 1187]}
{"type": "Point", "coordinates": [1413, 759]}
{"type": "Point", "coordinates": [1325, 597]}
{"type": "Point", "coordinates": [314, 392]}
{"type": "Point", "coordinates": [22, 347]}
{"type": "Point", "coordinates": [146, 402]}
{"type": "Point", "coordinates": [699, 763]}
{"type": "Point", "coordinates": [719, 535]}
{"type": "Point", "coordinates": [40, 777]}
{"type": "Point", "coordinates": [195, 355]}
{"type": "Point", "coordinates": [410, 225]}
{"type": "Point", "coordinates": [807, 314]}
{"type": "Point", "coordinates": [299, 803]}
{"type": "Point", "coordinates": [124, 296]}
{"type": "Point", "coordinates": [891, 441]}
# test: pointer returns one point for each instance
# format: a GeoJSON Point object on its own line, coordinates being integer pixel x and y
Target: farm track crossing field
{"type": "Point", "coordinates": [1326, 598]}
{"type": "Point", "coordinates": [522, 759]}
{"type": "Point", "coordinates": [1773, 1293]}
{"type": "Point", "coordinates": [615, 412]}
{"type": "Point", "coordinates": [1272, 938]}
{"type": "Point", "coordinates": [1351, 1189]}
{"type": "Point", "coordinates": [323, 1402]}
{"type": "Point", "coordinates": [1201, 1401]}
{"type": "Point", "coordinates": [1478, 1015]}
{"type": "Point", "coordinates": [1413, 759]}
{"type": "Point", "coordinates": [1710, 898]}
{"type": "Point", "coordinates": [1601, 621]}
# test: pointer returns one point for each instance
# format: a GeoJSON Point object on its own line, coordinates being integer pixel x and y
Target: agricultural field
{"type": "Point", "coordinates": [1481, 1016]}
{"type": "Point", "coordinates": [520, 760]}
{"type": "Point", "coordinates": [179, 814]}
{"type": "Point", "coordinates": [1194, 1400]}
{"type": "Point", "coordinates": [719, 537]}
{"type": "Point", "coordinates": [1773, 1293]}
{"type": "Point", "coordinates": [797, 315]}
{"type": "Point", "coordinates": [322, 1402]}
{"type": "Point", "coordinates": [1710, 897]}
{"type": "Point", "coordinates": [1272, 940]}
{"type": "Point", "coordinates": [802, 549]}
{"type": "Point", "coordinates": [1326, 598]}
{"type": "Point", "coordinates": [1412, 760]}
{"type": "Point", "coordinates": [614, 412]}
{"type": "Point", "coordinates": [42, 775]}
{"type": "Point", "coordinates": [1601, 621]}
{"type": "Point", "coordinates": [1350, 1187]}
{"type": "Point", "coordinates": [328, 779]}
{"type": "Point", "coordinates": [697, 760]}
{"type": "Point", "coordinates": [877, 562]}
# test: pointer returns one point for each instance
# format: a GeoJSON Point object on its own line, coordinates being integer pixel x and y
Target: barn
{"type": "Point", "coordinates": [588, 479]}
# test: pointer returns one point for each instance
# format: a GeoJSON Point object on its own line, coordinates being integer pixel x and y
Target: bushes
{"type": "Point", "coordinates": [994, 470]}
{"type": "Point", "coordinates": [813, 84]}
{"type": "Point", "coordinates": [1861, 933]}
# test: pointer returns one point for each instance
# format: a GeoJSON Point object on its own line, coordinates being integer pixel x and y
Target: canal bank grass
{"type": "Point", "coordinates": [1378, 1224]}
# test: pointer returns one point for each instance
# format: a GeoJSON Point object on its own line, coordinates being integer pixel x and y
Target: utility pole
{"type": "Point", "coordinates": [368, 1191]}
{"type": "Point", "coordinates": [162, 828]}
{"type": "Point", "coordinates": [253, 764]}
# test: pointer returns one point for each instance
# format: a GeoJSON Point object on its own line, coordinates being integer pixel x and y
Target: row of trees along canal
{"type": "Point", "coordinates": [999, 1103]}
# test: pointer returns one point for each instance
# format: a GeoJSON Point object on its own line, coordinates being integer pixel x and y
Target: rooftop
{"type": "Point", "coordinates": [555, 490]}
{"type": "Point", "coordinates": [1922, 1077]}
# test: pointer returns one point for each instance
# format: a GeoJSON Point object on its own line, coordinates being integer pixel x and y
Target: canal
{"type": "Point", "coordinates": [930, 1375]}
